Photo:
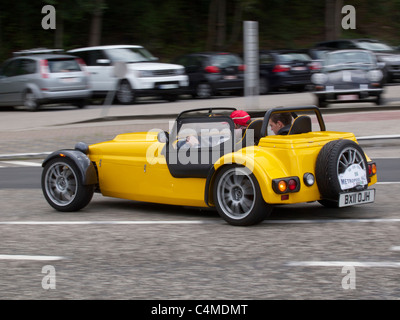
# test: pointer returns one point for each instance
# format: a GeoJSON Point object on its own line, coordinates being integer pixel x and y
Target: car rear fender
{"type": "Point", "coordinates": [82, 161]}
{"type": "Point", "coordinates": [30, 86]}
{"type": "Point", "coordinates": [262, 167]}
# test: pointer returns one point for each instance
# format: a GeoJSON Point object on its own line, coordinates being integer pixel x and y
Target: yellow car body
{"type": "Point", "coordinates": [135, 166]}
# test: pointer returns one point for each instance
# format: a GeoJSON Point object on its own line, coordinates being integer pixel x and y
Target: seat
{"type": "Point", "coordinates": [255, 128]}
{"type": "Point", "coordinates": [302, 124]}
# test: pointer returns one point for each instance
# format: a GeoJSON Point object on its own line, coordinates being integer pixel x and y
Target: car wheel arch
{"type": "Point", "coordinates": [81, 160]}
{"type": "Point", "coordinates": [261, 175]}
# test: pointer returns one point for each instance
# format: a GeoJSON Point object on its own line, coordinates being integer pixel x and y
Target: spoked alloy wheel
{"type": "Point", "coordinates": [348, 157]}
{"type": "Point", "coordinates": [62, 186]}
{"type": "Point", "coordinates": [238, 198]}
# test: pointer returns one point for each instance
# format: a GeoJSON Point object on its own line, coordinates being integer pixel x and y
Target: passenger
{"type": "Point", "coordinates": [280, 123]}
{"type": "Point", "coordinates": [241, 119]}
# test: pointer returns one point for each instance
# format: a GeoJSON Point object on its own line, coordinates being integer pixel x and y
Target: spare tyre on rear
{"type": "Point", "coordinates": [341, 167]}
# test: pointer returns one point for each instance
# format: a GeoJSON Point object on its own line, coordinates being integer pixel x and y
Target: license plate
{"type": "Point", "coordinates": [69, 80]}
{"type": "Point", "coordinates": [168, 86]}
{"type": "Point", "coordinates": [299, 68]}
{"type": "Point", "coordinates": [353, 198]}
{"type": "Point", "coordinates": [230, 77]}
{"type": "Point", "coordinates": [348, 97]}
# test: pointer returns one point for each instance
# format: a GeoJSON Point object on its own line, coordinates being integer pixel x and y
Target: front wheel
{"type": "Point", "coordinates": [62, 186]}
{"type": "Point", "coordinates": [237, 197]}
{"type": "Point", "coordinates": [125, 93]}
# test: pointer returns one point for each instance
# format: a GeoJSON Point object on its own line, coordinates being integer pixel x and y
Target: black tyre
{"type": "Point", "coordinates": [334, 159]}
{"type": "Point", "coordinates": [204, 90]}
{"type": "Point", "coordinates": [264, 85]}
{"type": "Point", "coordinates": [30, 101]}
{"type": "Point", "coordinates": [322, 103]}
{"type": "Point", "coordinates": [62, 185]}
{"type": "Point", "coordinates": [125, 93]}
{"type": "Point", "coordinates": [379, 100]}
{"type": "Point", "coordinates": [237, 197]}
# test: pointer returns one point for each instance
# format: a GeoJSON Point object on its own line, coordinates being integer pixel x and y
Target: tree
{"type": "Point", "coordinates": [333, 19]}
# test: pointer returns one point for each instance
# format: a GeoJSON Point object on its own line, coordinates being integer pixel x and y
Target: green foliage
{"type": "Point", "coordinates": [171, 27]}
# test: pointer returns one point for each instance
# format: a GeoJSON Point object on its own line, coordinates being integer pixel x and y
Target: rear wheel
{"type": "Point", "coordinates": [62, 186]}
{"type": "Point", "coordinates": [341, 166]}
{"type": "Point", "coordinates": [264, 85]}
{"type": "Point", "coordinates": [237, 197]}
{"type": "Point", "coordinates": [203, 90]}
{"type": "Point", "coordinates": [30, 101]}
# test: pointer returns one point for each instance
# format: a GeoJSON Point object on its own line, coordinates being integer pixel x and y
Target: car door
{"type": "Point", "coordinates": [100, 70]}
{"type": "Point", "coordinates": [8, 86]}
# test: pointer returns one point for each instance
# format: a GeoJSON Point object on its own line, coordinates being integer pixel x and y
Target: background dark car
{"type": "Point", "coordinates": [284, 69]}
{"type": "Point", "coordinates": [348, 76]}
{"type": "Point", "coordinates": [383, 52]}
{"type": "Point", "coordinates": [211, 73]}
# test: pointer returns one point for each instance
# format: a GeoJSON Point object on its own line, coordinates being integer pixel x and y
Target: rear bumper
{"type": "Point", "coordinates": [60, 96]}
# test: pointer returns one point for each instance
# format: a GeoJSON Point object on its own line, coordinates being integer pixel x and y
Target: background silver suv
{"type": "Point", "coordinates": [144, 76]}
{"type": "Point", "coordinates": [34, 78]}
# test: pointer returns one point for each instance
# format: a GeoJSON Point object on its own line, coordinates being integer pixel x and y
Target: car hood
{"type": "Point", "coordinates": [152, 66]}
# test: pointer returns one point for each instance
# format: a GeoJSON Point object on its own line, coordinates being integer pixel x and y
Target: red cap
{"type": "Point", "coordinates": [240, 117]}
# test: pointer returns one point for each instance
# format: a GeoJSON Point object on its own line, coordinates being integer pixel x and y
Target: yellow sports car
{"type": "Point", "coordinates": [204, 161]}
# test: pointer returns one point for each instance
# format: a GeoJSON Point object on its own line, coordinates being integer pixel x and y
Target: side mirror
{"type": "Point", "coordinates": [163, 137]}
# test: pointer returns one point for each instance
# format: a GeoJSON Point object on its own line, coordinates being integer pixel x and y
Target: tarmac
{"type": "Point", "coordinates": [25, 135]}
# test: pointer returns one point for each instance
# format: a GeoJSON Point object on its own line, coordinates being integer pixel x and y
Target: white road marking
{"type": "Point", "coordinates": [24, 163]}
{"type": "Point", "coordinates": [390, 182]}
{"type": "Point", "coordinates": [395, 248]}
{"type": "Point", "coordinates": [367, 264]}
{"type": "Point", "coordinates": [188, 222]}
{"type": "Point", "coordinates": [30, 258]}
{"type": "Point", "coordinates": [137, 222]}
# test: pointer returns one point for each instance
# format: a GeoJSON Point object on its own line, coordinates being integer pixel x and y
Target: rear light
{"type": "Point", "coordinates": [292, 184]}
{"type": "Point", "coordinates": [44, 69]}
{"type": "Point", "coordinates": [315, 66]}
{"type": "Point", "coordinates": [82, 64]}
{"type": "Point", "coordinates": [242, 67]}
{"type": "Point", "coordinates": [211, 69]}
{"type": "Point", "coordinates": [286, 185]}
{"type": "Point", "coordinates": [372, 169]}
{"type": "Point", "coordinates": [281, 68]}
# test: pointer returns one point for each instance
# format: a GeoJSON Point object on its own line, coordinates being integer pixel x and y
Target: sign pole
{"type": "Point", "coordinates": [251, 60]}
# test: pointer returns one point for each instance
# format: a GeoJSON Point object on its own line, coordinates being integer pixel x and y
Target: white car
{"type": "Point", "coordinates": [141, 76]}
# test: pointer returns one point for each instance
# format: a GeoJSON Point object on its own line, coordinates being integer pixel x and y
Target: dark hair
{"type": "Point", "coordinates": [284, 117]}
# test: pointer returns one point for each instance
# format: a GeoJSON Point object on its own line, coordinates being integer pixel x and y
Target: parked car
{"type": "Point", "coordinates": [286, 69]}
{"type": "Point", "coordinates": [143, 75]}
{"type": "Point", "coordinates": [383, 52]}
{"type": "Point", "coordinates": [243, 180]}
{"type": "Point", "coordinates": [348, 76]}
{"type": "Point", "coordinates": [36, 77]}
{"type": "Point", "coordinates": [211, 73]}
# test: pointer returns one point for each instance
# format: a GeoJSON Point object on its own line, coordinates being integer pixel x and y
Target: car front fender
{"type": "Point", "coordinates": [82, 161]}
